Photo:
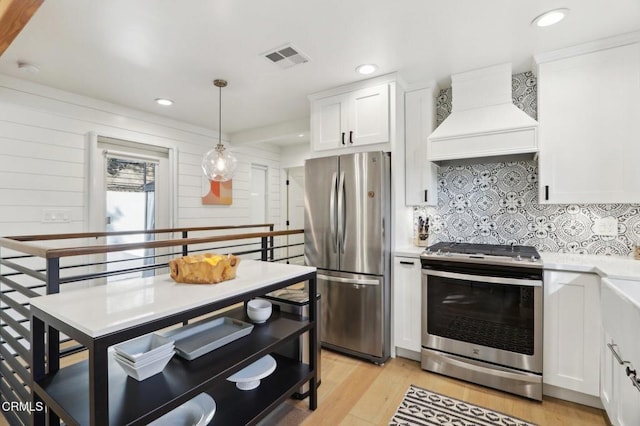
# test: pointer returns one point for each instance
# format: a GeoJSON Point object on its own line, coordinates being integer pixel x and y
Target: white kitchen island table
{"type": "Point", "coordinates": [98, 392]}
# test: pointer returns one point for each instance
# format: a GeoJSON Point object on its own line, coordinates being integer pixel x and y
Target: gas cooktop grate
{"type": "Point", "coordinates": [491, 334]}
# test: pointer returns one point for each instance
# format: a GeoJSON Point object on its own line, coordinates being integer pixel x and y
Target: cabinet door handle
{"type": "Point", "coordinates": [546, 192]}
{"type": "Point", "coordinates": [342, 138]}
{"type": "Point", "coordinates": [616, 355]}
{"type": "Point", "coordinates": [631, 372]}
{"type": "Point", "coordinates": [404, 262]}
{"type": "Point", "coordinates": [351, 136]}
{"type": "Point", "coordinates": [426, 195]}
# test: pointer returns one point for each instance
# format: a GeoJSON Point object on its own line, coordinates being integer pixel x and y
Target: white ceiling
{"type": "Point", "coordinates": [130, 52]}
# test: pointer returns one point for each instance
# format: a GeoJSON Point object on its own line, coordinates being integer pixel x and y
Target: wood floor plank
{"type": "Point", "coordinates": [351, 420]}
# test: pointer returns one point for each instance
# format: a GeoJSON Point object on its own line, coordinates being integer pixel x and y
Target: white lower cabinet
{"type": "Point", "coordinates": [620, 398]}
{"type": "Point", "coordinates": [572, 331]}
{"type": "Point", "coordinates": [406, 306]}
{"type": "Point", "coordinates": [620, 321]}
{"type": "Point", "coordinates": [608, 366]}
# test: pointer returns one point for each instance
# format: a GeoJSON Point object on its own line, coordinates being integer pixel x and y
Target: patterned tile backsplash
{"type": "Point", "coordinates": [497, 203]}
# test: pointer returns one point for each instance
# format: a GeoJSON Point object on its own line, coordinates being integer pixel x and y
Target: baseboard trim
{"type": "Point", "coordinates": [409, 354]}
{"type": "Point", "coordinates": [573, 396]}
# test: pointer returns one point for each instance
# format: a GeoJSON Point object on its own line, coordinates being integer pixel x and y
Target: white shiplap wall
{"type": "Point", "coordinates": [43, 133]}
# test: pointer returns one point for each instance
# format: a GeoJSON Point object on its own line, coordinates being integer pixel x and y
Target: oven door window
{"type": "Point", "coordinates": [499, 316]}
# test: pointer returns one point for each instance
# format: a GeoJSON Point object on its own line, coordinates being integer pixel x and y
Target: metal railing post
{"type": "Point", "coordinates": [53, 335]}
{"type": "Point", "coordinates": [271, 242]}
{"type": "Point", "coordinates": [263, 252]}
{"type": "Point", "coordinates": [185, 248]}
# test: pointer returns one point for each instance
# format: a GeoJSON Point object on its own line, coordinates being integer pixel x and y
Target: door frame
{"type": "Point", "coordinates": [95, 205]}
{"type": "Point", "coordinates": [267, 199]}
{"type": "Point", "coordinates": [287, 208]}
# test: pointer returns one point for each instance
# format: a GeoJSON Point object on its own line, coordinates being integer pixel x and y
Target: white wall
{"type": "Point", "coordinates": [43, 135]}
{"type": "Point", "coordinates": [294, 155]}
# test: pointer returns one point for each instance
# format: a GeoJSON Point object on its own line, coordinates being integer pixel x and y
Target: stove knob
{"type": "Point", "coordinates": [518, 258]}
{"type": "Point", "coordinates": [448, 253]}
{"type": "Point", "coordinates": [439, 251]}
{"type": "Point", "coordinates": [534, 259]}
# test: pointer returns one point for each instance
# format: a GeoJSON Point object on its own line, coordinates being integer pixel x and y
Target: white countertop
{"type": "Point", "coordinates": [622, 273]}
{"type": "Point", "coordinates": [104, 309]}
{"type": "Point", "coordinates": [409, 251]}
{"type": "Point", "coordinates": [626, 268]}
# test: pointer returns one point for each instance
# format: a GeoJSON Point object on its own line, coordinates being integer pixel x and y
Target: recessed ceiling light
{"type": "Point", "coordinates": [301, 135]}
{"type": "Point", "coordinates": [366, 69]}
{"type": "Point", "coordinates": [550, 17]}
{"type": "Point", "coordinates": [164, 102]}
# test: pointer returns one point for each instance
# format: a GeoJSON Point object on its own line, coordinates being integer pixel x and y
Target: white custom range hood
{"type": "Point", "coordinates": [484, 122]}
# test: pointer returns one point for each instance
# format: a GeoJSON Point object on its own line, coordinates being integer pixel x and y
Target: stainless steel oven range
{"type": "Point", "coordinates": [482, 315]}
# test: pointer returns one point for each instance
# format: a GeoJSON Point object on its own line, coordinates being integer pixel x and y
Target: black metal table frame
{"type": "Point", "coordinates": [98, 357]}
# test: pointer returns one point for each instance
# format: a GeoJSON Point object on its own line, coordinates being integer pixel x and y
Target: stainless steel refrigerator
{"type": "Point", "coordinates": [347, 237]}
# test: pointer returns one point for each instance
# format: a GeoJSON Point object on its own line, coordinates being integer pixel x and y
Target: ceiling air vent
{"type": "Point", "coordinates": [285, 56]}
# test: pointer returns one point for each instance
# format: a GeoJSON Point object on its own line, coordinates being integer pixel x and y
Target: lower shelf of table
{"type": "Point", "coordinates": [236, 407]}
{"type": "Point", "coordinates": [133, 402]}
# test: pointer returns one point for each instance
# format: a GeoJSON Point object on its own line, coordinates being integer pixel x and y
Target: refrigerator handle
{"type": "Point", "coordinates": [357, 281]}
{"type": "Point", "coordinates": [341, 214]}
{"type": "Point", "coordinates": [332, 213]}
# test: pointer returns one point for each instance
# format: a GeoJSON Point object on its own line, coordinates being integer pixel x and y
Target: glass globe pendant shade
{"type": "Point", "coordinates": [219, 165]}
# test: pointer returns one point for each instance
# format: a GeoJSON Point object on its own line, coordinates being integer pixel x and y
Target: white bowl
{"type": "Point", "coordinates": [144, 347]}
{"type": "Point", "coordinates": [259, 310]}
{"type": "Point", "coordinates": [146, 361]}
{"type": "Point", "coordinates": [143, 371]}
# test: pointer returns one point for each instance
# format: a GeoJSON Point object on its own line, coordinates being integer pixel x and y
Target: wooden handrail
{"type": "Point", "coordinates": [45, 237]}
{"type": "Point", "coordinates": [49, 253]}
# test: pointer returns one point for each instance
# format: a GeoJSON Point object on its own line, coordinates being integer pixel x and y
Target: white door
{"type": "Point", "coordinates": [258, 199]}
{"type": "Point", "coordinates": [407, 298]}
{"type": "Point", "coordinates": [295, 214]}
{"type": "Point", "coordinates": [131, 190]}
{"type": "Point", "coordinates": [369, 116]}
{"type": "Point", "coordinates": [329, 122]}
{"type": "Point", "coordinates": [571, 331]}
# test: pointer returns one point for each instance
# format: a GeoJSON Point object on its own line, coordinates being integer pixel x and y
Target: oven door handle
{"type": "Point", "coordinates": [483, 279]}
{"type": "Point", "coordinates": [469, 365]}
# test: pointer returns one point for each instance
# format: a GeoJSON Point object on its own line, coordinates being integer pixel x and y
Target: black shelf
{"type": "Point", "coordinates": [236, 407]}
{"type": "Point", "coordinates": [133, 402]}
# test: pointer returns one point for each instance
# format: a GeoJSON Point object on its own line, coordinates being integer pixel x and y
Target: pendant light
{"type": "Point", "coordinates": [217, 164]}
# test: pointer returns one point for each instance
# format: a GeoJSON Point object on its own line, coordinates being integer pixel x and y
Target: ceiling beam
{"type": "Point", "coordinates": [288, 130]}
{"type": "Point", "coordinates": [14, 15]}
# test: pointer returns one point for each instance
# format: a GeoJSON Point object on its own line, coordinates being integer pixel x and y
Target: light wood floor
{"type": "Point", "coordinates": [359, 393]}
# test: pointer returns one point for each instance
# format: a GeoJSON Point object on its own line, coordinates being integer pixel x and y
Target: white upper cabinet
{"type": "Point", "coordinates": [588, 114]}
{"type": "Point", "coordinates": [421, 175]}
{"type": "Point", "coordinates": [328, 119]}
{"type": "Point", "coordinates": [360, 117]}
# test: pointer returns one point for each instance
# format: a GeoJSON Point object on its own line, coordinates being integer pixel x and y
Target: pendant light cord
{"type": "Point", "coordinates": [220, 118]}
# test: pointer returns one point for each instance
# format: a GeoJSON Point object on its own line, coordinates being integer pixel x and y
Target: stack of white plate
{"type": "Point", "coordinates": [144, 356]}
